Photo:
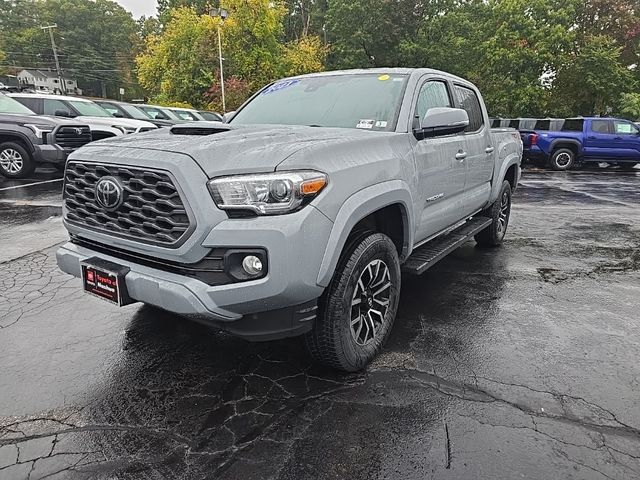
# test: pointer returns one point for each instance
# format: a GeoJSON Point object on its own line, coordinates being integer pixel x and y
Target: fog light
{"type": "Point", "coordinates": [252, 265]}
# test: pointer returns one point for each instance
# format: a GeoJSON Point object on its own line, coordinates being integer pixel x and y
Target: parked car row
{"type": "Point", "coordinates": [40, 128]}
{"type": "Point", "coordinates": [564, 143]}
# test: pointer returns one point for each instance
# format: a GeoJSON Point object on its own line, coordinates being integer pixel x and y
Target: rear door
{"type": "Point", "coordinates": [598, 142]}
{"type": "Point", "coordinates": [626, 140]}
{"type": "Point", "coordinates": [441, 176]}
{"type": "Point", "coordinates": [479, 151]}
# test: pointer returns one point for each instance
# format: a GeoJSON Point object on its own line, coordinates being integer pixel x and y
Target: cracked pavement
{"type": "Point", "coordinates": [519, 362]}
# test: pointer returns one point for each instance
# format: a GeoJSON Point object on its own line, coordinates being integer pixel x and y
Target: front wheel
{"type": "Point", "coordinates": [562, 159]}
{"type": "Point", "coordinates": [499, 212]}
{"type": "Point", "coordinates": [358, 308]}
{"type": "Point", "coordinates": [15, 161]}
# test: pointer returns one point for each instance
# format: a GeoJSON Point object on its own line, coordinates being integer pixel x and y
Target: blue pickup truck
{"type": "Point", "coordinates": [581, 140]}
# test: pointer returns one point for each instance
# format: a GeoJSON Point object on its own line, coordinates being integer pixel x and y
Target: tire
{"type": "Point", "coordinates": [15, 161]}
{"type": "Point", "coordinates": [345, 337]}
{"type": "Point", "coordinates": [500, 212]}
{"type": "Point", "coordinates": [562, 159]}
{"type": "Point", "coordinates": [627, 165]}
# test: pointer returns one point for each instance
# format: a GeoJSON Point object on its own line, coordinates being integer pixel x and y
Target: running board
{"type": "Point", "coordinates": [430, 253]}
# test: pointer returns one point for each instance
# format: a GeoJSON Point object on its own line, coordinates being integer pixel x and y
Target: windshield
{"type": "Point", "coordinates": [210, 116]}
{"type": "Point", "coordinates": [367, 101]}
{"type": "Point", "coordinates": [184, 114]}
{"type": "Point", "coordinates": [9, 105]}
{"type": "Point", "coordinates": [135, 112]}
{"type": "Point", "coordinates": [89, 109]}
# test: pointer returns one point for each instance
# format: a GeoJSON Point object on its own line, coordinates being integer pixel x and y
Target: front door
{"type": "Point", "coordinates": [626, 140]}
{"type": "Point", "coordinates": [440, 165]}
{"type": "Point", "coordinates": [599, 143]}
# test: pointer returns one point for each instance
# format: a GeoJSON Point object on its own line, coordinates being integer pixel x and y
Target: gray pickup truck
{"type": "Point", "coordinates": [298, 215]}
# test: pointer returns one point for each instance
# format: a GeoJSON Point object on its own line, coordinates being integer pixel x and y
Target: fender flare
{"type": "Point", "coordinates": [572, 141]}
{"type": "Point", "coordinates": [20, 136]}
{"type": "Point", "coordinates": [508, 162]}
{"type": "Point", "coordinates": [357, 207]}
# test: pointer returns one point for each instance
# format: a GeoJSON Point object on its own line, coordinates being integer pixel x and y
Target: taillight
{"type": "Point", "coordinates": [533, 139]}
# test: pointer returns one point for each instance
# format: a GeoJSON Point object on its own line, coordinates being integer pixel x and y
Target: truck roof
{"type": "Point", "coordinates": [382, 70]}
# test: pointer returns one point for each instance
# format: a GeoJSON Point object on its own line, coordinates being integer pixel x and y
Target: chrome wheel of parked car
{"type": "Point", "coordinates": [370, 302]}
{"type": "Point", "coordinates": [562, 159]}
{"type": "Point", "coordinates": [11, 161]}
{"type": "Point", "coordinates": [15, 161]}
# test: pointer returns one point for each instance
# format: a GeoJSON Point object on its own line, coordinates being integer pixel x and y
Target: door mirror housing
{"type": "Point", "coordinates": [443, 121]}
{"type": "Point", "coordinates": [62, 113]}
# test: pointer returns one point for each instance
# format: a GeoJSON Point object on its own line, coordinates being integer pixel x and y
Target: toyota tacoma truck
{"type": "Point", "coordinates": [299, 215]}
{"type": "Point", "coordinates": [27, 139]}
{"type": "Point", "coordinates": [576, 141]}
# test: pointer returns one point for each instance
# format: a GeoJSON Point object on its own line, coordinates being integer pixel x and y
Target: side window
{"type": "Point", "coordinates": [30, 103]}
{"type": "Point", "coordinates": [468, 100]}
{"type": "Point", "coordinates": [625, 128]}
{"type": "Point", "coordinates": [433, 94]}
{"type": "Point", "coordinates": [51, 106]}
{"type": "Point", "coordinates": [600, 126]}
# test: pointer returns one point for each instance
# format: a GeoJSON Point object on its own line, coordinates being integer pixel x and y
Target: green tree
{"type": "Point", "coordinates": [96, 40]}
{"type": "Point", "coordinates": [592, 79]}
{"type": "Point", "coordinates": [630, 105]}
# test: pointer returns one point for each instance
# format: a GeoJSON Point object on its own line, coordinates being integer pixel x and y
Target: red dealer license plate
{"type": "Point", "coordinates": [105, 280]}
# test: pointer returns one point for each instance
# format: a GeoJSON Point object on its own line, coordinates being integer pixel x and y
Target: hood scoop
{"type": "Point", "coordinates": [200, 128]}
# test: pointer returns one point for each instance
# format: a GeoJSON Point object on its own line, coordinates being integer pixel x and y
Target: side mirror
{"type": "Point", "coordinates": [443, 121]}
{"type": "Point", "coordinates": [62, 113]}
{"type": "Point", "coordinates": [228, 116]}
{"type": "Point", "coordinates": [117, 115]}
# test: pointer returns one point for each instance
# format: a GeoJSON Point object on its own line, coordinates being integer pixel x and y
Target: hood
{"type": "Point", "coordinates": [237, 149]}
{"type": "Point", "coordinates": [111, 121]}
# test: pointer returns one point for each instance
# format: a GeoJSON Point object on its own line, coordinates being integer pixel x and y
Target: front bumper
{"type": "Point", "coordinates": [287, 294]}
{"type": "Point", "coordinates": [50, 154]}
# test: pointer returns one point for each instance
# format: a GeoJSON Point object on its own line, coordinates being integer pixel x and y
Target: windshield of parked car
{"type": "Point", "coordinates": [135, 112]}
{"type": "Point", "coordinates": [365, 101]}
{"type": "Point", "coordinates": [211, 116]}
{"type": "Point", "coordinates": [184, 114]}
{"type": "Point", "coordinates": [9, 105]}
{"type": "Point", "coordinates": [89, 109]}
{"type": "Point", "coordinates": [156, 113]}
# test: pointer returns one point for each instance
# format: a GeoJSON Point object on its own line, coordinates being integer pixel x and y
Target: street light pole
{"type": "Point", "coordinates": [63, 87]}
{"type": "Point", "coordinates": [222, 14]}
{"type": "Point", "coordinates": [224, 105]}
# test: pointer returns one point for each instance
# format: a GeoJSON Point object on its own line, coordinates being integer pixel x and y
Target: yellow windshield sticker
{"type": "Point", "coordinates": [383, 77]}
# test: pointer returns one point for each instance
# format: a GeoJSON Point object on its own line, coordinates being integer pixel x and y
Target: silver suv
{"type": "Point", "coordinates": [299, 214]}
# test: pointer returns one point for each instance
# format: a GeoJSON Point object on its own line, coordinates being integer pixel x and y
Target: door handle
{"type": "Point", "coordinates": [461, 155]}
{"type": "Point", "coordinates": [591, 137]}
{"type": "Point", "coordinates": [488, 150]}
{"type": "Point", "coordinates": [617, 138]}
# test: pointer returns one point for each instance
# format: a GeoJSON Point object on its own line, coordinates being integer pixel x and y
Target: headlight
{"type": "Point", "coordinates": [40, 130]}
{"type": "Point", "coordinates": [267, 194]}
{"type": "Point", "coordinates": [125, 129]}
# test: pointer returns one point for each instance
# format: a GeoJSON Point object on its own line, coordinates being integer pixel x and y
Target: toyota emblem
{"type": "Point", "coordinates": [109, 193]}
{"type": "Point", "coordinates": [79, 131]}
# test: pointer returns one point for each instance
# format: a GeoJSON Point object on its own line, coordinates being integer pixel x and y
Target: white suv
{"type": "Point", "coordinates": [101, 122]}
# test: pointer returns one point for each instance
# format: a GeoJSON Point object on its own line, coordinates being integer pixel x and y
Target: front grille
{"type": "Point", "coordinates": [151, 210]}
{"type": "Point", "coordinates": [71, 138]}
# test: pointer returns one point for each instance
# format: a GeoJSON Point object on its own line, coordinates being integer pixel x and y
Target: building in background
{"type": "Point", "coordinates": [47, 81]}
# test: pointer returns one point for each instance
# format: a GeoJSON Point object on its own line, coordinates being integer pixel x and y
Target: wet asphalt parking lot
{"type": "Point", "coordinates": [520, 362]}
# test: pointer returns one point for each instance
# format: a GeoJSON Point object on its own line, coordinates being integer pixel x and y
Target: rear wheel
{"type": "Point", "coordinates": [562, 159]}
{"type": "Point", "coordinates": [15, 161]}
{"type": "Point", "coordinates": [500, 212]}
{"type": "Point", "coordinates": [358, 308]}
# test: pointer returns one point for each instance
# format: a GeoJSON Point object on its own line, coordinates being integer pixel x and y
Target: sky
{"type": "Point", "coordinates": [139, 7]}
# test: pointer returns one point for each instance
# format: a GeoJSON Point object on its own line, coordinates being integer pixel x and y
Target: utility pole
{"type": "Point", "coordinates": [63, 87]}
{"type": "Point", "coordinates": [222, 14]}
